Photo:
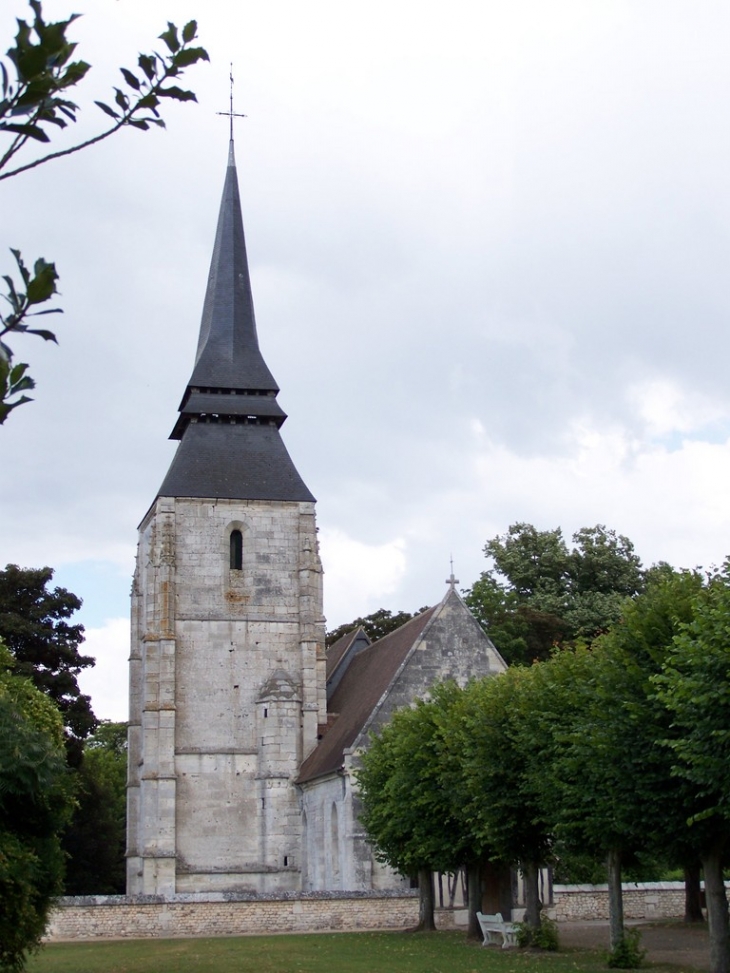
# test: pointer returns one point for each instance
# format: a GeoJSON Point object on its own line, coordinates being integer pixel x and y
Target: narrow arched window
{"type": "Point", "coordinates": [236, 550]}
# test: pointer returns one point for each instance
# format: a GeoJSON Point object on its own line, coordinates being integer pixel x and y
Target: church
{"type": "Point", "coordinates": [244, 732]}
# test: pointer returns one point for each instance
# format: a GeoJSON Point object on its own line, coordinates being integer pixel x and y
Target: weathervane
{"type": "Point", "coordinates": [231, 114]}
{"type": "Point", "coordinates": [452, 581]}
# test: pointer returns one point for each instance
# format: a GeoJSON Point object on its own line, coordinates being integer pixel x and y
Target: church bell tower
{"type": "Point", "coordinates": [227, 682]}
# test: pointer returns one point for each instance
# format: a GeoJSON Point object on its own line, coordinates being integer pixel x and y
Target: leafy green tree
{"type": "Point", "coordinates": [35, 83]}
{"type": "Point", "coordinates": [591, 781]}
{"type": "Point", "coordinates": [640, 646]}
{"type": "Point", "coordinates": [35, 626]}
{"type": "Point", "coordinates": [407, 811]}
{"type": "Point", "coordinates": [521, 632]}
{"type": "Point", "coordinates": [94, 841]}
{"type": "Point", "coordinates": [540, 594]}
{"type": "Point", "coordinates": [695, 688]}
{"type": "Point", "coordinates": [378, 624]}
{"type": "Point", "coordinates": [498, 801]}
{"type": "Point", "coordinates": [35, 803]}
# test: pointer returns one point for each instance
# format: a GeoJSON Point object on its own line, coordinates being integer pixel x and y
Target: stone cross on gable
{"type": "Point", "coordinates": [231, 114]}
{"type": "Point", "coordinates": [451, 580]}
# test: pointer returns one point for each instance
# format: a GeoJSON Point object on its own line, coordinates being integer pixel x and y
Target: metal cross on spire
{"type": "Point", "coordinates": [452, 581]}
{"type": "Point", "coordinates": [231, 113]}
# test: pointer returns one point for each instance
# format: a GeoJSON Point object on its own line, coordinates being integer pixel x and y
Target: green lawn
{"type": "Point", "coordinates": [327, 953]}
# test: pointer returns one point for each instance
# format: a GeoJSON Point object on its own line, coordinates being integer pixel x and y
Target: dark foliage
{"type": "Point", "coordinates": [380, 623]}
{"type": "Point", "coordinates": [540, 594]}
{"type": "Point", "coordinates": [34, 624]}
{"type": "Point", "coordinates": [35, 801]}
{"type": "Point", "coordinates": [94, 841]}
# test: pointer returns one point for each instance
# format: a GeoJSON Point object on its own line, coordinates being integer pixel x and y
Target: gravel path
{"type": "Point", "coordinates": [683, 945]}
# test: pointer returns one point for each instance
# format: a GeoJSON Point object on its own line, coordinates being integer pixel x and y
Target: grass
{"type": "Point", "coordinates": [366, 952]}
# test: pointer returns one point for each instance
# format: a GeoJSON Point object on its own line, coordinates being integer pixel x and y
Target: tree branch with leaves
{"type": "Point", "coordinates": [34, 103]}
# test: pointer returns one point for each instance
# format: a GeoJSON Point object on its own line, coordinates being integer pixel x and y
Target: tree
{"type": "Point", "coordinates": [695, 688]}
{"type": "Point", "coordinates": [499, 802]}
{"type": "Point", "coordinates": [640, 646]}
{"type": "Point", "coordinates": [35, 802]}
{"type": "Point", "coordinates": [34, 103]}
{"type": "Point", "coordinates": [45, 646]}
{"type": "Point", "coordinates": [540, 594]}
{"type": "Point", "coordinates": [380, 623]}
{"type": "Point", "coordinates": [94, 841]}
{"type": "Point", "coordinates": [406, 810]}
{"type": "Point", "coordinates": [592, 784]}
{"type": "Point", "coordinates": [521, 632]}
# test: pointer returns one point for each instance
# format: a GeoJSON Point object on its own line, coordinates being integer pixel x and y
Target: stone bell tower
{"type": "Point", "coordinates": [227, 682]}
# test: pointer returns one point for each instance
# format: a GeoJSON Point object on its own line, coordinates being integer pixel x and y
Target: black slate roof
{"type": "Point", "coordinates": [229, 421]}
{"type": "Point", "coordinates": [230, 461]}
{"type": "Point", "coordinates": [228, 348]}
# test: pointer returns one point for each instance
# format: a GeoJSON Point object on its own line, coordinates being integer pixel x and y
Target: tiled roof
{"type": "Point", "coordinates": [366, 679]}
{"type": "Point", "coordinates": [338, 649]}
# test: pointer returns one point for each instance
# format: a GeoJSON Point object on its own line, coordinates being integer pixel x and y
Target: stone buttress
{"type": "Point", "coordinates": [227, 681]}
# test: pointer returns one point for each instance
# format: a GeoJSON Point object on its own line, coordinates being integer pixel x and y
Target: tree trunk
{"type": "Point", "coordinates": [615, 898]}
{"type": "Point", "coordinates": [474, 894]}
{"type": "Point", "coordinates": [692, 893]}
{"type": "Point", "coordinates": [717, 915]}
{"type": "Point", "coordinates": [531, 876]}
{"type": "Point", "coordinates": [426, 921]}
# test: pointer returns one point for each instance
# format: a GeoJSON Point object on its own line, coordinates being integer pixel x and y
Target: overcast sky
{"type": "Point", "coordinates": [489, 247]}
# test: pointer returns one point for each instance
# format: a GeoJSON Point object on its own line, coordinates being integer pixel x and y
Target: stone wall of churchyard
{"type": "Point", "coordinates": [230, 914]}
{"type": "Point", "coordinates": [642, 900]}
{"type": "Point", "coordinates": [227, 914]}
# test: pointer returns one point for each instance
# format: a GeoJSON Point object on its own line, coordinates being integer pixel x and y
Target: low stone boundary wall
{"type": "Point", "coordinates": [642, 900]}
{"type": "Point", "coordinates": [227, 914]}
{"type": "Point", "coordinates": [238, 914]}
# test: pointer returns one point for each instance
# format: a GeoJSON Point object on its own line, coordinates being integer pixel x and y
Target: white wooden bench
{"type": "Point", "coordinates": [494, 927]}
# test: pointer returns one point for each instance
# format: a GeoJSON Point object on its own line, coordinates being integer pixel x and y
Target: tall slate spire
{"type": "Point", "coordinates": [228, 348]}
{"type": "Point", "coordinates": [229, 421]}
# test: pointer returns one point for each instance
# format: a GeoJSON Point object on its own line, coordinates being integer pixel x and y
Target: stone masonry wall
{"type": "Point", "coordinates": [642, 900]}
{"type": "Point", "coordinates": [228, 689]}
{"type": "Point", "coordinates": [225, 914]}
{"type": "Point", "coordinates": [453, 646]}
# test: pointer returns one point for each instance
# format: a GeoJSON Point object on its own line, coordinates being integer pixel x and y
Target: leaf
{"type": "Point", "coordinates": [138, 123]}
{"type": "Point", "coordinates": [31, 63]}
{"type": "Point", "coordinates": [24, 272]}
{"type": "Point", "coordinates": [190, 55]}
{"type": "Point", "coordinates": [179, 94]}
{"type": "Point", "coordinates": [189, 31]}
{"type": "Point", "coordinates": [31, 131]}
{"type": "Point", "coordinates": [107, 109]}
{"type": "Point", "coordinates": [6, 409]}
{"type": "Point", "coordinates": [46, 335]}
{"type": "Point", "coordinates": [148, 65]}
{"type": "Point", "coordinates": [43, 285]}
{"type": "Point", "coordinates": [131, 80]}
{"type": "Point", "coordinates": [19, 381]}
{"type": "Point", "coordinates": [74, 73]}
{"type": "Point", "coordinates": [121, 99]}
{"type": "Point", "coordinates": [148, 101]}
{"type": "Point", "coordinates": [170, 38]}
